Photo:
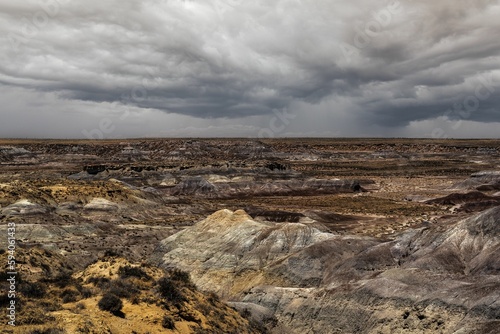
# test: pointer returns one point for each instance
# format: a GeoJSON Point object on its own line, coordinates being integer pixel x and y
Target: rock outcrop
{"type": "Point", "coordinates": [232, 244]}
{"type": "Point", "coordinates": [313, 282]}
{"type": "Point", "coordinates": [470, 201]}
{"type": "Point", "coordinates": [215, 186]}
{"type": "Point", "coordinates": [486, 180]}
{"type": "Point", "coordinates": [101, 204]}
{"type": "Point", "coordinates": [23, 207]}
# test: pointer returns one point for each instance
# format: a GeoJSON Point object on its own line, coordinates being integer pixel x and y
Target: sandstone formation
{"type": "Point", "coordinates": [298, 235]}
{"type": "Point", "coordinates": [425, 279]}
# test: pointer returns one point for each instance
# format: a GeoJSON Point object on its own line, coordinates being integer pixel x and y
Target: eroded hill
{"type": "Point", "coordinates": [113, 295]}
{"type": "Point", "coordinates": [301, 235]}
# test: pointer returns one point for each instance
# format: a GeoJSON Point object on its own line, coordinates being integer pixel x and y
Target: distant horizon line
{"type": "Point", "coordinates": [239, 138]}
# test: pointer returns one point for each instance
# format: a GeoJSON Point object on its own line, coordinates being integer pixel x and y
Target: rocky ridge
{"type": "Point", "coordinates": [424, 279]}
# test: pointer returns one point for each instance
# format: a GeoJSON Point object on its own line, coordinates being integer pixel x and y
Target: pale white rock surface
{"type": "Point", "coordinates": [425, 280]}
{"type": "Point", "coordinates": [101, 204]}
{"type": "Point", "coordinates": [23, 207]}
{"type": "Point", "coordinates": [232, 244]}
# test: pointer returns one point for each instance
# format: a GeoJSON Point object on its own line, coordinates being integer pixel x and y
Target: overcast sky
{"type": "Point", "coordinates": [260, 68]}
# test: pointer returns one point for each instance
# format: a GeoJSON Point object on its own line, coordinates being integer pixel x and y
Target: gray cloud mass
{"type": "Point", "coordinates": [230, 67]}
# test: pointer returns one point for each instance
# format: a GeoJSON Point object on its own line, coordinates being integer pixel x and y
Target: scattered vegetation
{"type": "Point", "coordinates": [181, 276]}
{"type": "Point", "coordinates": [86, 292]}
{"type": "Point", "coordinates": [99, 281]}
{"type": "Point", "coordinates": [32, 289]}
{"type": "Point", "coordinates": [80, 306]}
{"type": "Point", "coordinates": [213, 298]}
{"type": "Point", "coordinates": [170, 286]}
{"type": "Point", "coordinates": [62, 279]}
{"type": "Point", "coordinates": [169, 290]}
{"type": "Point", "coordinates": [128, 271]}
{"type": "Point", "coordinates": [168, 322]}
{"type": "Point", "coordinates": [4, 300]}
{"type": "Point", "coordinates": [48, 331]}
{"type": "Point", "coordinates": [40, 295]}
{"type": "Point", "coordinates": [111, 253]}
{"type": "Point", "coordinates": [112, 303]}
{"type": "Point", "coordinates": [245, 313]}
{"type": "Point", "coordinates": [69, 295]}
{"type": "Point", "coordinates": [33, 316]}
{"type": "Point", "coordinates": [122, 288]}
{"type": "Point", "coordinates": [49, 305]}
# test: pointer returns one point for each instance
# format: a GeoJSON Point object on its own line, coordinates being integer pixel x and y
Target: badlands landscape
{"type": "Point", "coordinates": [252, 236]}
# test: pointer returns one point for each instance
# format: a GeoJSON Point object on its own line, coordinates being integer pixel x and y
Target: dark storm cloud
{"type": "Point", "coordinates": [396, 62]}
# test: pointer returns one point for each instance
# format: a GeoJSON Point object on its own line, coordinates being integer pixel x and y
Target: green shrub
{"type": "Point", "coordinates": [245, 313]}
{"type": "Point", "coordinates": [169, 290]}
{"type": "Point", "coordinates": [168, 322]}
{"type": "Point", "coordinates": [33, 316]}
{"type": "Point", "coordinates": [122, 288]}
{"type": "Point", "coordinates": [4, 300]}
{"type": "Point", "coordinates": [129, 271]}
{"type": "Point", "coordinates": [111, 253]}
{"type": "Point", "coordinates": [32, 289]}
{"type": "Point", "coordinates": [100, 282]}
{"type": "Point", "coordinates": [62, 279]}
{"type": "Point", "coordinates": [180, 276]}
{"type": "Point", "coordinates": [110, 302]}
{"type": "Point", "coordinates": [213, 298]}
{"type": "Point", "coordinates": [86, 292]}
{"type": "Point", "coordinates": [69, 295]}
{"type": "Point", "coordinates": [50, 305]}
